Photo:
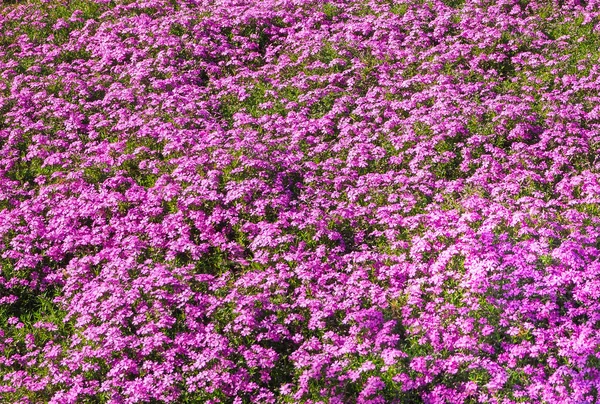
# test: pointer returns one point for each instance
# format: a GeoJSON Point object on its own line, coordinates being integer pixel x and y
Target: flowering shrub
{"type": "Point", "coordinates": [298, 201]}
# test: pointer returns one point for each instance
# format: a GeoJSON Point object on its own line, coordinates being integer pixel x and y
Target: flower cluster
{"type": "Point", "coordinates": [274, 201]}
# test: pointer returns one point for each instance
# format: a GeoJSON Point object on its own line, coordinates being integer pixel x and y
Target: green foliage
{"type": "Point", "coordinates": [331, 10]}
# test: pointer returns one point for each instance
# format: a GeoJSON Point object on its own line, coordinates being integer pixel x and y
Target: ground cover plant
{"type": "Point", "coordinates": [299, 201]}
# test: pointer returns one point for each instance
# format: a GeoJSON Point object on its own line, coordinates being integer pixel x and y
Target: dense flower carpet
{"type": "Point", "coordinates": [300, 201]}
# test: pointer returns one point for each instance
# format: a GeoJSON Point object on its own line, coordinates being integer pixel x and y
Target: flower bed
{"type": "Point", "coordinates": [299, 202]}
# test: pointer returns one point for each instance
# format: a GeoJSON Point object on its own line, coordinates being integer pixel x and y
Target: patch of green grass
{"type": "Point", "coordinates": [95, 174]}
{"type": "Point", "coordinates": [454, 3]}
{"type": "Point", "coordinates": [327, 53]}
{"type": "Point", "coordinates": [399, 8]}
{"type": "Point", "coordinates": [331, 11]}
{"type": "Point", "coordinates": [323, 106]}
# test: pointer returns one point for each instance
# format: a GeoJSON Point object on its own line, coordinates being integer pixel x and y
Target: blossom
{"type": "Point", "coordinates": [265, 201]}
